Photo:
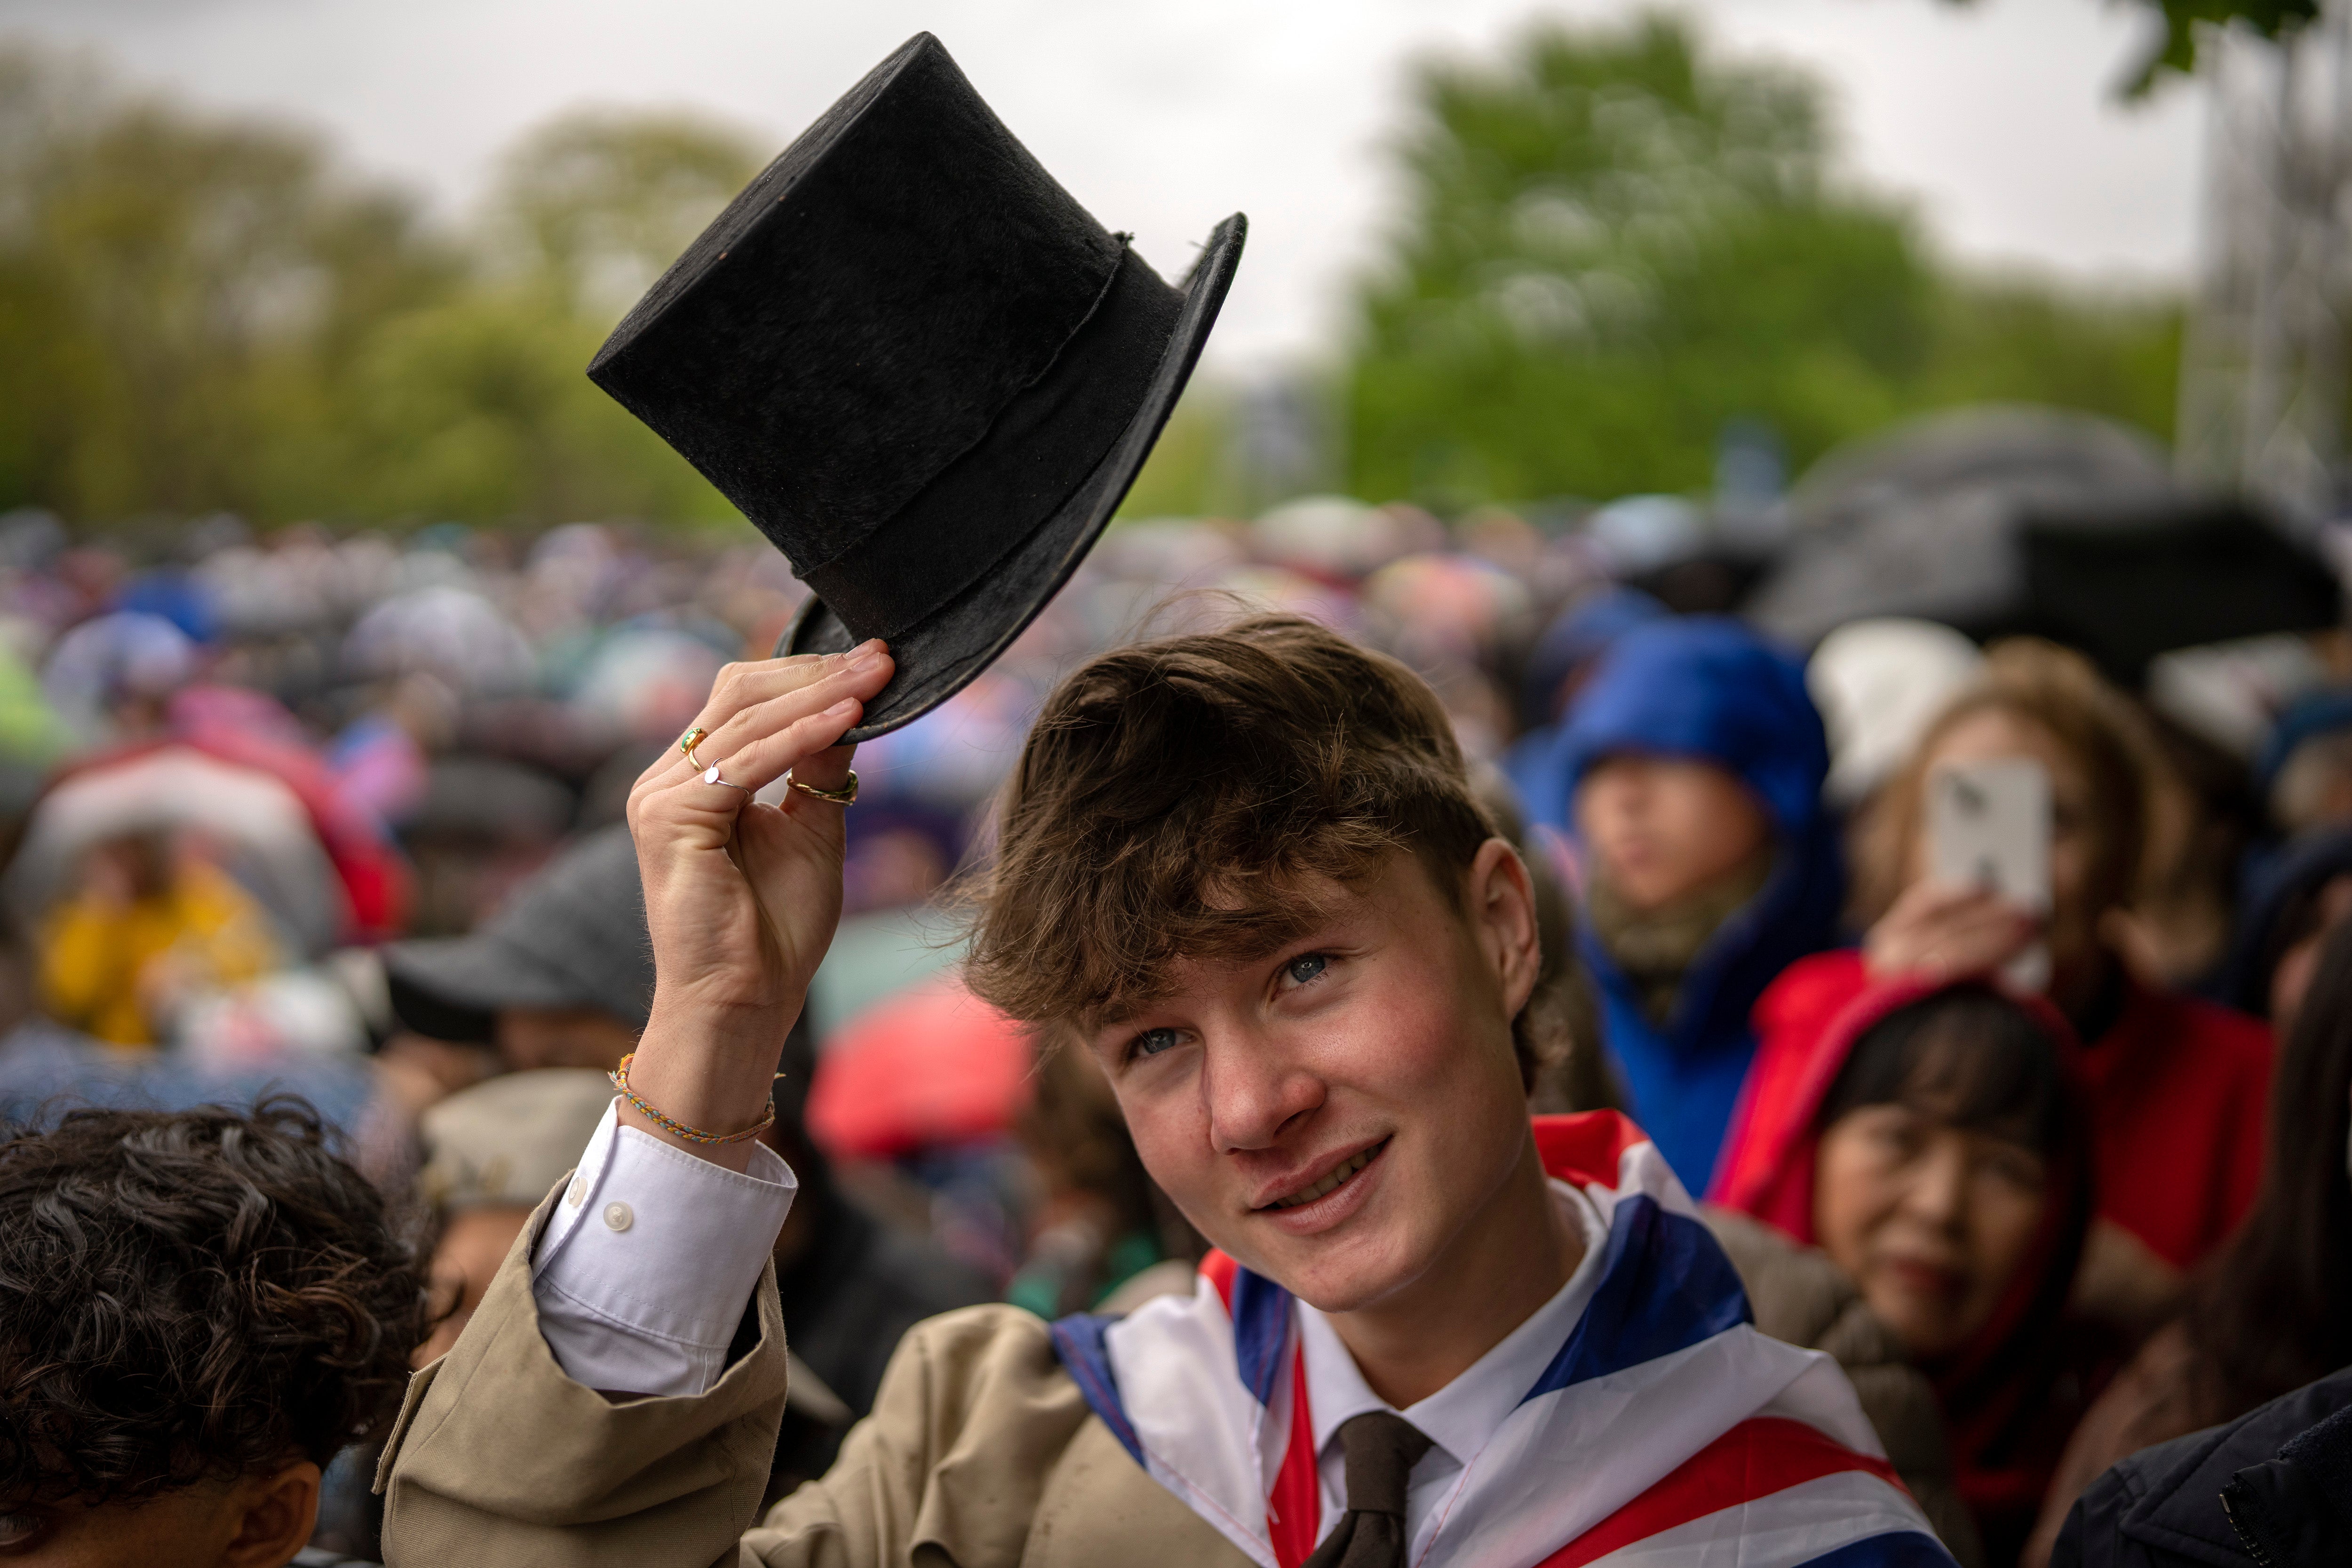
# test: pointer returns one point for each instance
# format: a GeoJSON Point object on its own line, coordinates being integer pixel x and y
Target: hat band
{"type": "Point", "coordinates": [1040, 448]}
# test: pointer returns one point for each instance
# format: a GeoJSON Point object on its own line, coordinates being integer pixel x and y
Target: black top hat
{"type": "Point", "coordinates": [921, 368]}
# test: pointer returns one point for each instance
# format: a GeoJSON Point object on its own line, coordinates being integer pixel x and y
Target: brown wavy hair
{"type": "Point", "coordinates": [1176, 796]}
{"type": "Point", "coordinates": [191, 1295]}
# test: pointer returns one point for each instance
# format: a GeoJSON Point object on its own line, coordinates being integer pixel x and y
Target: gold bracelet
{"type": "Point", "coordinates": [676, 1128]}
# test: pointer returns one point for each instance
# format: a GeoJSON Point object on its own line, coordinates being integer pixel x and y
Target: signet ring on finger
{"type": "Point", "coordinates": [710, 775]}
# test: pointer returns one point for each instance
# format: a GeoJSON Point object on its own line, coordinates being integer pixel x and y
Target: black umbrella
{"type": "Point", "coordinates": [2028, 520]}
{"type": "Point", "coordinates": [2127, 587]}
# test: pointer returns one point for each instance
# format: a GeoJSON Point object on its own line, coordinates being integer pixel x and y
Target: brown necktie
{"type": "Point", "coordinates": [1382, 1449]}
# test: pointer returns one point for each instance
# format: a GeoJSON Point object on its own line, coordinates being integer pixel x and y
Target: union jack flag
{"type": "Point", "coordinates": [1665, 1429]}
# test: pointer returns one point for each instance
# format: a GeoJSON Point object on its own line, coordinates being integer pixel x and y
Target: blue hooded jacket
{"type": "Point", "coordinates": [1707, 689]}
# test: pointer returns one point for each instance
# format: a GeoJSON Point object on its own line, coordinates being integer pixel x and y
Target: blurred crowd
{"type": "Point", "coordinates": [340, 816]}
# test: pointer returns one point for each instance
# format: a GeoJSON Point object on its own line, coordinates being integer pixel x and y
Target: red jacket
{"type": "Point", "coordinates": [2179, 1089]}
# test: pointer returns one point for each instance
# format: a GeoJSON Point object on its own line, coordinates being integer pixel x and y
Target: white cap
{"type": "Point", "coordinates": [1879, 685]}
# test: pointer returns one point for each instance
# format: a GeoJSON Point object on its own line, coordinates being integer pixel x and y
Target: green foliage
{"type": "Point", "coordinates": [1186, 474]}
{"type": "Point", "coordinates": [2022, 339]}
{"type": "Point", "coordinates": [2176, 51]}
{"type": "Point", "coordinates": [601, 202]}
{"type": "Point", "coordinates": [199, 314]}
{"type": "Point", "coordinates": [1616, 244]}
{"type": "Point", "coordinates": [2175, 46]}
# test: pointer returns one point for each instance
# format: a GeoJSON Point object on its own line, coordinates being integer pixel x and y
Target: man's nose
{"type": "Point", "coordinates": [1253, 1090]}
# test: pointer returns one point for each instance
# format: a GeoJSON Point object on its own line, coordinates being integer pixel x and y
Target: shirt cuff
{"type": "Point", "coordinates": [644, 1269]}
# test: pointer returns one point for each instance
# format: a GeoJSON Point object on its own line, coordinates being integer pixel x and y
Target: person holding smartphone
{"type": "Point", "coordinates": [2176, 1086]}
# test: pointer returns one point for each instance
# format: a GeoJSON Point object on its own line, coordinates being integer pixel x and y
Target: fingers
{"type": "Point", "coordinates": [1928, 899]}
{"type": "Point", "coordinates": [743, 690]}
{"type": "Point", "coordinates": [1949, 932]}
{"type": "Point", "coordinates": [802, 728]}
{"type": "Point", "coordinates": [857, 675]}
{"type": "Point", "coordinates": [828, 769]}
{"type": "Point", "coordinates": [804, 748]}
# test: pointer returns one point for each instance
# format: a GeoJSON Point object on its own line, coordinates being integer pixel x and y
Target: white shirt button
{"type": "Point", "coordinates": [618, 1216]}
{"type": "Point", "coordinates": [579, 1193]}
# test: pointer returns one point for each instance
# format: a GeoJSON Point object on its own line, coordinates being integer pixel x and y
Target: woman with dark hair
{"type": "Point", "coordinates": [1932, 1140]}
{"type": "Point", "coordinates": [2272, 1311]}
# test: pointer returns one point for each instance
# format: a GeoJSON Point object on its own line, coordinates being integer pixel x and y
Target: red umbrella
{"type": "Point", "coordinates": [930, 1066]}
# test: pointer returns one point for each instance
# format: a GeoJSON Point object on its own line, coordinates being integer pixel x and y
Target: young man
{"type": "Point", "coordinates": [198, 1310]}
{"type": "Point", "coordinates": [1245, 872]}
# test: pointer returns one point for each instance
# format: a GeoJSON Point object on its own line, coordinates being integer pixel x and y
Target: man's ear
{"type": "Point", "coordinates": [1501, 903]}
{"type": "Point", "coordinates": [274, 1512]}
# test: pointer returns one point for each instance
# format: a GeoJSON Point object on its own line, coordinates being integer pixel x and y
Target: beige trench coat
{"type": "Point", "coordinates": [979, 1452]}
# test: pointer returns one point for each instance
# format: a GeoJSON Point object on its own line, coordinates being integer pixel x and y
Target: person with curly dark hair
{"type": "Point", "coordinates": [198, 1310]}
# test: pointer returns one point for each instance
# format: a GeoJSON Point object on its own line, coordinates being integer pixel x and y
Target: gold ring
{"type": "Point", "coordinates": [710, 775]}
{"type": "Point", "coordinates": [686, 742]}
{"type": "Point", "coordinates": [845, 796]}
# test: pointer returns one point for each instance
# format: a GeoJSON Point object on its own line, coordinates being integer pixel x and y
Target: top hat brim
{"type": "Point", "coordinates": [945, 651]}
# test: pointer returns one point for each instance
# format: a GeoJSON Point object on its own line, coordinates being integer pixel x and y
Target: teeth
{"type": "Point", "coordinates": [1329, 1182]}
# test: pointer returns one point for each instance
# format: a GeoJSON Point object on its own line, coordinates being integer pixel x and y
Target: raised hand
{"type": "Point", "coordinates": [1938, 930]}
{"type": "Point", "coordinates": [740, 898]}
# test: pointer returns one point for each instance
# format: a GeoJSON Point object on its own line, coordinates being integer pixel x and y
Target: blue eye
{"type": "Point", "coordinates": [1152, 1042]}
{"type": "Point", "coordinates": [1307, 968]}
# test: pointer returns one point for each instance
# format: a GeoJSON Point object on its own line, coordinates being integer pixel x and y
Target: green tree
{"type": "Point", "coordinates": [478, 408]}
{"type": "Point", "coordinates": [603, 200]}
{"type": "Point", "coordinates": [199, 312]}
{"type": "Point", "coordinates": [173, 288]}
{"type": "Point", "coordinates": [2176, 51]}
{"type": "Point", "coordinates": [2175, 46]}
{"type": "Point", "coordinates": [1613, 245]}
{"type": "Point", "coordinates": [1616, 243]}
{"type": "Point", "coordinates": [2024, 338]}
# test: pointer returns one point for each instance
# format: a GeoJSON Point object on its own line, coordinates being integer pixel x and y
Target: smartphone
{"type": "Point", "coordinates": [1988, 826]}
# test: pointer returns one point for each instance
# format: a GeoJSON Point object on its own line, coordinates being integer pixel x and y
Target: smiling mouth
{"type": "Point", "coordinates": [1338, 1176]}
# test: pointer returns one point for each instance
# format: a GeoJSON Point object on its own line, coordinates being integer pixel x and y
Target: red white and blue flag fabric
{"type": "Point", "coordinates": [1666, 1430]}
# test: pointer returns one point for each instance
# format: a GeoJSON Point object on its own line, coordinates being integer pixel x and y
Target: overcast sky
{"type": "Point", "coordinates": [1998, 118]}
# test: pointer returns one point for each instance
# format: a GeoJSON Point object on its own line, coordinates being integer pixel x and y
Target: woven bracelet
{"type": "Point", "coordinates": [676, 1128]}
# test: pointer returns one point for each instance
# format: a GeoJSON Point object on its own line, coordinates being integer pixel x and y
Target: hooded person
{"type": "Point", "coordinates": [1932, 1138]}
{"type": "Point", "coordinates": [1689, 777]}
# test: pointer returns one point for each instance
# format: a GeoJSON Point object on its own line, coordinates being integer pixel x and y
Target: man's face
{"type": "Point", "coordinates": [1340, 1114]}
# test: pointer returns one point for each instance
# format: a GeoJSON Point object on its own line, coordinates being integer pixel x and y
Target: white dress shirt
{"type": "Point", "coordinates": [1460, 1418]}
{"type": "Point", "coordinates": [643, 1274]}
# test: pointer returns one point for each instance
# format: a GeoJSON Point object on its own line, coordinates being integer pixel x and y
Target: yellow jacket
{"type": "Point", "coordinates": [104, 962]}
